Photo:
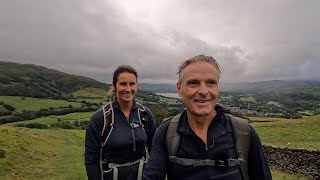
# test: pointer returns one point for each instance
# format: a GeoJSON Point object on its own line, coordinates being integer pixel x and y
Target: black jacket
{"type": "Point", "coordinates": [125, 153]}
{"type": "Point", "coordinates": [220, 145]}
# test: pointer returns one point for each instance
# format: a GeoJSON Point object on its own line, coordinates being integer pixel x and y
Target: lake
{"type": "Point", "coordinates": [174, 95]}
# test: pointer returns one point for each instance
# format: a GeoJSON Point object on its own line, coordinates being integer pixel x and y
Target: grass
{"type": "Point", "coordinates": [35, 104]}
{"type": "Point", "coordinates": [53, 119]}
{"type": "Point", "coordinates": [92, 100]}
{"type": "Point", "coordinates": [292, 133]}
{"type": "Point", "coordinates": [274, 103]}
{"type": "Point", "coordinates": [247, 99]}
{"type": "Point", "coordinates": [278, 175]}
{"type": "Point", "coordinates": [308, 112]}
{"type": "Point", "coordinates": [90, 92]}
{"type": "Point", "coordinates": [60, 155]}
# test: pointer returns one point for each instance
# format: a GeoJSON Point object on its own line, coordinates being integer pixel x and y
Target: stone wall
{"type": "Point", "coordinates": [295, 161]}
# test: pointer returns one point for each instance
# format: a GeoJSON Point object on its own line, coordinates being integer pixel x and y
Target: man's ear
{"type": "Point", "coordinates": [178, 87]}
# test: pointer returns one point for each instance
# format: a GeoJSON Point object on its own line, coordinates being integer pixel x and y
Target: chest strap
{"type": "Point", "coordinates": [114, 167]}
{"type": "Point", "coordinates": [206, 162]}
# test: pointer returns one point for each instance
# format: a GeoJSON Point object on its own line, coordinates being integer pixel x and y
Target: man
{"type": "Point", "coordinates": [205, 132]}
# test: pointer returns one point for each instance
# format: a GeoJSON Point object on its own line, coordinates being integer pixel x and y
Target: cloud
{"type": "Point", "coordinates": [252, 40]}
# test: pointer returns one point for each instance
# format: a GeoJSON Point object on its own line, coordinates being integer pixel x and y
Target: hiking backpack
{"type": "Point", "coordinates": [241, 133]}
{"type": "Point", "coordinates": [108, 116]}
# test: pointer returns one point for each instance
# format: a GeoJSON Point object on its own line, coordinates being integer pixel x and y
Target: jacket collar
{"type": "Point", "coordinates": [116, 104]}
{"type": "Point", "coordinates": [184, 127]}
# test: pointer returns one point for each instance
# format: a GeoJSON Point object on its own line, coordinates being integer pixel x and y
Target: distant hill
{"type": "Point", "coordinates": [157, 88]}
{"type": "Point", "coordinates": [41, 82]}
{"type": "Point", "coordinates": [264, 86]}
{"type": "Point", "coordinates": [248, 87]}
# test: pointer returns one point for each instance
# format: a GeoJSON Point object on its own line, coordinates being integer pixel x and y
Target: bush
{"type": "Point", "coordinates": [9, 107]}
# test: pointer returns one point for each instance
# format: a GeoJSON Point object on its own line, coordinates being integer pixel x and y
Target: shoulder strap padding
{"type": "Point", "coordinates": [172, 137]}
{"type": "Point", "coordinates": [241, 131]}
{"type": "Point", "coordinates": [107, 116]}
{"type": "Point", "coordinates": [108, 119]}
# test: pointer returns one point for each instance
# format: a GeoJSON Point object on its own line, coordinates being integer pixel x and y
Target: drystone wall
{"type": "Point", "coordinates": [295, 161]}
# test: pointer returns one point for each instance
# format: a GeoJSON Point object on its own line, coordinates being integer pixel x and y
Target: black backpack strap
{"type": "Point", "coordinates": [108, 122]}
{"type": "Point", "coordinates": [241, 132]}
{"type": "Point", "coordinates": [172, 137]}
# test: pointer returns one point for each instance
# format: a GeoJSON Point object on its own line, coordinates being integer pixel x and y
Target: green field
{"type": "Point", "coordinates": [41, 154]}
{"type": "Point", "coordinates": [35, 104]}
{"type": "Point", "coordinates": [274, 103]}
{"type": "Point", "coordinates": [90, 92]}
{"type": "Point", "coordinates": [247, 99]}
{"type": "Point", "coordinates": [292, 133]}
{"type": "Point", "coordinates": [60, 155]}
{"type": "Point", "coordinates": [278, 175]}
{"type": "Point", "coordinates": [52, 119]}
{"type": "Point", "coordinates": [92, 100]}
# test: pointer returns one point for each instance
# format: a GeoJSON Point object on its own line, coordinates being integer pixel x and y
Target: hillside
{"type": "Point", "coordinates": [246, 87]}
{"type": "Point", "coordinates": [263, 86]}
{"type": "Point", "coordinates": [38, 81]}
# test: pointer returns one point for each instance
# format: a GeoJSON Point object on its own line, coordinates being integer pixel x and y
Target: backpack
{"type": "Point", "coordinates": [241, 132]}
{"type": "Point", "coordinates": [108, 116]}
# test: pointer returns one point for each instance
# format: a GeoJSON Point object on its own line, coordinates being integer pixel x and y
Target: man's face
{"type": "Point", "coordinates": [126, 87]}
{"type": "Point", "coordinates": [199, 88]}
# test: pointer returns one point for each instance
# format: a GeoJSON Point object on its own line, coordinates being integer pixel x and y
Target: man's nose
{"type": "Point", "coordinates": [203, 91]}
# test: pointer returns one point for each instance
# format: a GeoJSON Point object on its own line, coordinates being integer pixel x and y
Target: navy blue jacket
{"type": "Point", "coordinates": [220, 145]}
{"type": "Point", "coordinates": [126, 153]}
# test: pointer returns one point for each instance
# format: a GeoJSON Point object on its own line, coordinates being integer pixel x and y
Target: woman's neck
{"type": "Point", "coordinates": [126, 107]}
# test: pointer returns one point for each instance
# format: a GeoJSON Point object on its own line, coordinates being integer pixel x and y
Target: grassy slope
{"type": "Point", "coordinates": [297, 133]}
{"type": "Point", "coordinates": [35, 104]}
{"type": "Point", "coordinates": [278, 175]}
{"type": "Point", "coordinates": [90, 92]}
{"type": "Point", "coordinates": [60, 155]}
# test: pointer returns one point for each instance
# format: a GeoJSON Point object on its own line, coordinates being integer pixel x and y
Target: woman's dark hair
{"type": "Point", "coordinates": [121, 69]}
{"type": "Point", "coordinates": [117, 72]}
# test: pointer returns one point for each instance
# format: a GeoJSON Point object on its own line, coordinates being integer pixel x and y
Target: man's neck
{"type": "Point", "coordinates": [200, 124]}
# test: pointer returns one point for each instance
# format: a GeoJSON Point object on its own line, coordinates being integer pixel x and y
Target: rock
{"type": "Point", "coordinates": [2, 153]}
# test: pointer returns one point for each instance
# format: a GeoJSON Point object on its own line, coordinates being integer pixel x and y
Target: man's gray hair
{"type": "Point", "coordinates": [201, 57]}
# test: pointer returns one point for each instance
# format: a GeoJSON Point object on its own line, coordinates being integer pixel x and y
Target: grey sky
{"type": "Point", "coordinates": [252, 40]}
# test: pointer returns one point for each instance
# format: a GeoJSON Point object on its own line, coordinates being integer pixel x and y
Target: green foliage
{"type": "Point", "coordinates": [33, 125]}
{"type": "Point", "coordinates": [9, 107]}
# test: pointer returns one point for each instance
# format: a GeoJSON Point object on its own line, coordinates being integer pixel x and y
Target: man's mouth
{"type": "Point", "coordinates": [202, 101]}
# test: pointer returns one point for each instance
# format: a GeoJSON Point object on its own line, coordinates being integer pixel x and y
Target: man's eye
{"type": "Point", "coordinates": [192, 83]}
{"type": "Point", "coordinates": [211, 83]}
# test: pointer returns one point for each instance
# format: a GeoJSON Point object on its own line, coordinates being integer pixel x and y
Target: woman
{"type": "Point", "coordinates": [118, 133]}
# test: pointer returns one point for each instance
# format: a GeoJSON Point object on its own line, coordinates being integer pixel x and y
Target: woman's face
{"type": "Point", "coordinates": [126, 87]}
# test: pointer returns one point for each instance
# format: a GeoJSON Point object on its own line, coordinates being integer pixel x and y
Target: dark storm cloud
{"type": "Point", "coordinates": [271, 40]}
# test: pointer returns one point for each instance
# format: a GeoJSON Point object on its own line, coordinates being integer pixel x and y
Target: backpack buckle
{"type": "Point", "coordinates": [134, 125]}
{"type": "Point", "coordinates": [222, 163]}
